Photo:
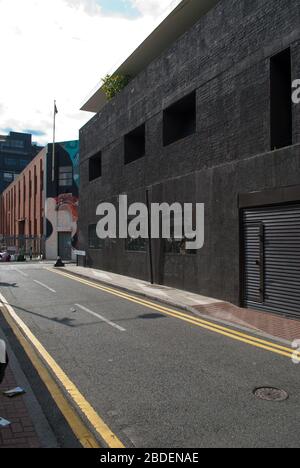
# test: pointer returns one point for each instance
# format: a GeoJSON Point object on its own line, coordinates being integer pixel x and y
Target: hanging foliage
{"type": "Point", "coordinates": [112, 85]}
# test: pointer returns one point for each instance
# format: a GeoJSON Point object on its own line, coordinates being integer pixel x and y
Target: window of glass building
{"type": "Point", "coordinates": [10, 162]}
{"type": "Point", "coordinates": [16, 143]}
{"type": "Point", "coordinates": [23, 163]}
{"type": "Point", "coordinates": [65, 178]}
{"type": "Point", "coordinates": [8, 176]}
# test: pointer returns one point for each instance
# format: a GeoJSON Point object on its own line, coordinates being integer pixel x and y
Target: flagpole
{"type": "Point", "coordinates": [53, 146]}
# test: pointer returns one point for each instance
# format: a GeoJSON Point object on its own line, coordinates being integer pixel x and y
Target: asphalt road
{"type": "Point", "coordinates": [155, 380]}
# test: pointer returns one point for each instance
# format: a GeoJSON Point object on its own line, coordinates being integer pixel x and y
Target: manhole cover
{"type": "Point", "coordinates": [271, 394]}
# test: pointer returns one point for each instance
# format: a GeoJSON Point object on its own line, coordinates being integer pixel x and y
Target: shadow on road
{"type": "Point", "coordinates": [71, 322]}
{"type": "Point", "coordinates": [63, 321]}
{"type": "Point", "coordinates": [151, 316]}
{"type": "Point", "coordinates": [9, 285]}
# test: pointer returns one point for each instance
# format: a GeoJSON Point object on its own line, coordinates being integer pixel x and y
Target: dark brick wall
{"type": "Point", "coordinates": [225, 57]}
{"type": "Point", "coordinates": [295, 76]}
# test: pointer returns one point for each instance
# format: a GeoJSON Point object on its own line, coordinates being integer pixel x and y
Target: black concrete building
{"type": "Point", "coordinates": [16, 152]}
{"type": "Point", "coordinates": [207, 117]}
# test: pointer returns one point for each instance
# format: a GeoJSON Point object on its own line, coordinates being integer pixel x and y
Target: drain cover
{"type": "Point", "coordinates": [271, 394]}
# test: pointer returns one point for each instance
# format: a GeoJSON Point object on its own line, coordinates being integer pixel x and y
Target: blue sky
{"type": "Point", "coordinates": [66, 48]}
{"type": "Point", "coordinates": [121, 7]}
{"type": "Point", "coordinates": [35, 133]}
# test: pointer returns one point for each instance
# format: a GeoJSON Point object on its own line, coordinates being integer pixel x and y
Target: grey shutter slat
{"type": "Point", "coordinates": [281, 258]}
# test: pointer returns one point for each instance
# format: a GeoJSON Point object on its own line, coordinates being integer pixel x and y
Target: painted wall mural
{"type": "Point", "coordinates": [61, 204]}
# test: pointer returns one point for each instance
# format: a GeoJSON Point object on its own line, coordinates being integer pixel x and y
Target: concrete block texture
{"type": "Point", "coordinates": [225, 58]}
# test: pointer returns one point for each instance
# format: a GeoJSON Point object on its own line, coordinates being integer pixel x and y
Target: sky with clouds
{"type": "Point", "coordinates": [60, 49]}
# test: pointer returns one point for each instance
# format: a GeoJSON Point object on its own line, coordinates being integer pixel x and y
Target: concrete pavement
{"type": "Point", "coordinates": [155, 378]}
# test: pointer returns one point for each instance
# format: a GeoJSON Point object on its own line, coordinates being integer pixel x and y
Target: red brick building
{"type": "Point", "coordinates": [39, 210]}
{"type": "Point", "coordinates": [22, 203]}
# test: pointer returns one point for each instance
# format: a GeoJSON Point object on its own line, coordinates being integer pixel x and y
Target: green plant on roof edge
{"type": "Point", "coordinates": [112, 85]}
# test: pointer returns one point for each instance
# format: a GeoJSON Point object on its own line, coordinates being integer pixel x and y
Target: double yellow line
{"type": "Point", "coordinates": [35, 351]}
{"type": "Point", "coordinates": [30, 345]}
{"type": "Point", "coordinates": [211, 326]}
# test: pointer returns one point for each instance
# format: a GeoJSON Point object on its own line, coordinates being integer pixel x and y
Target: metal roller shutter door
{"type": "Point", "coordinates": [272, 258]}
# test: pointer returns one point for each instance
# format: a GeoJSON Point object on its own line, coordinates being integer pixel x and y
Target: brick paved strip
{"type": "Point", "coordinates": [21, 433]}
{"type": "Point", "coordinates": [266, 322]}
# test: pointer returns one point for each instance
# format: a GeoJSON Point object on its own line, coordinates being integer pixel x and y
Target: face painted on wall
{"type": "Point", "coordinates": [62, 213]}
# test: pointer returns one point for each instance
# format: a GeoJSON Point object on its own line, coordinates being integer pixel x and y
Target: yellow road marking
{"type": "Point", "coordinates": [225, 331]}
{"type": "Point", "coordinates": [80, 430]}
{"type": "Point", "coordinates": [171, 311]}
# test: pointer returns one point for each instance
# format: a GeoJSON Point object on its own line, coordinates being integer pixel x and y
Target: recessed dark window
{"type": "Point", "coordinates": [281, 100]}
{"type": "Point", "coordinates": [136, 245]}
{"type": "Point", "coordinates": [94, 242]}
{"type": "Point", "coordinates": [176, 245]}
{"type": "Point", "coordinates": [179, 120]}
{"type": "Point", "coordinates": [95, 167]}
{"type": "Point", "coordinates": [135, 145]}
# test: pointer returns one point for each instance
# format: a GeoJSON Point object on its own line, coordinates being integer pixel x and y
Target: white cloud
{"type": "Point", "coordinates": [89, 6]}
{"type": "Point", "coordinates": [59, 49]}
{"type": "Point", "coordinates": [155, 8]}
